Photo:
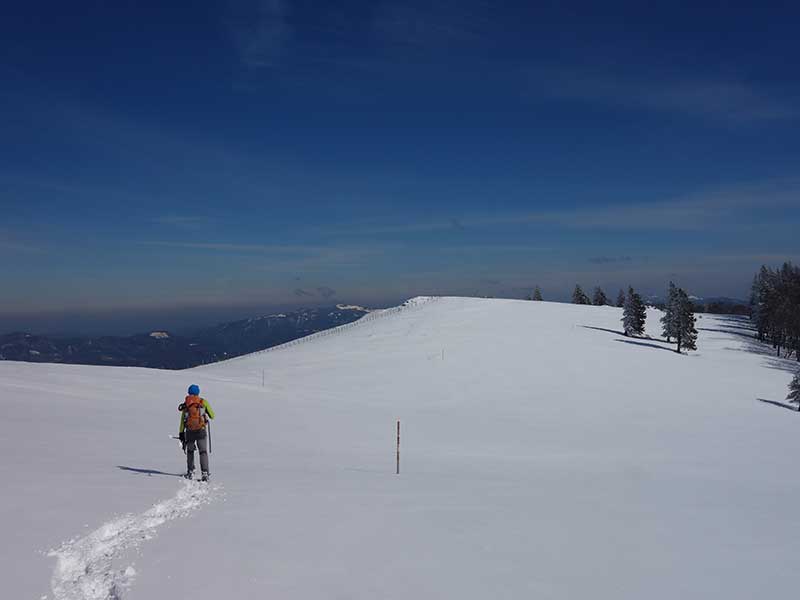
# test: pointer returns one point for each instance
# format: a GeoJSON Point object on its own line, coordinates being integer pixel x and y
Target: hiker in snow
{"type": "Point", "coordinates": [195, 412]}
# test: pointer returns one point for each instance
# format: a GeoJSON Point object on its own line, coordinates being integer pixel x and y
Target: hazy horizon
{"type": "Point", "coordinates": [187, 319]}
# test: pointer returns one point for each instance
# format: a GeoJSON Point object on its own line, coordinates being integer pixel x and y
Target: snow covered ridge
{"type": "Point", "coordinates": [418, 301]}
{"type": "Point", "coordinates": [85, 567]}
{"type": "Point", "coordinates": [543, 455]}
{"type": "Point", "coordinates": [410, 304]}
{"type": "Point", "coordinates": [159, 335]}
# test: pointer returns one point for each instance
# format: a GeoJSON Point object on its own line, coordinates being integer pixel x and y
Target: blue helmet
{"type": "Point", "coordinates": [194, 390]}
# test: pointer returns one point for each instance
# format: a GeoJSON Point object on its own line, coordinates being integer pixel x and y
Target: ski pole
{"type": "Point", "coordinates": [209, 435]}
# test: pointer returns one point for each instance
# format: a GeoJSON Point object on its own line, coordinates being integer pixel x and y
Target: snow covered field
{"type": "Point", "coordinates": [543, 456]}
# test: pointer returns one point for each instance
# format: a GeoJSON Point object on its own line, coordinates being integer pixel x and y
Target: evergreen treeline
{"type": "Point", "coordinates": [678, 321]}
{"type": "Point", "coordinates": [775, 308]}
{"type": "Point", "coordinates": [598, 298]}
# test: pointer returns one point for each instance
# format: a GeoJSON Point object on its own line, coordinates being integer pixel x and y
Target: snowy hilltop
{"type": "Point", "coordinates": [543, 455]}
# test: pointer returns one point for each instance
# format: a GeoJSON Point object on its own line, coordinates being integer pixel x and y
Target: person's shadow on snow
{"type": "Point", "coordinates": [148, 472]}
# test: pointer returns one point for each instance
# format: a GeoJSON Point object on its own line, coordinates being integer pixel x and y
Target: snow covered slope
{"type": "Point", "coordinates": [544, 455]}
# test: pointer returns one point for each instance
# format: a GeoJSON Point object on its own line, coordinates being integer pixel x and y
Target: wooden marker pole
{"type": "Point", "coordinates": [398, 448]}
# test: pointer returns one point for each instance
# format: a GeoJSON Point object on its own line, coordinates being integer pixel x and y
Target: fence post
{"type": "Point", "coordinates": [398, 448]}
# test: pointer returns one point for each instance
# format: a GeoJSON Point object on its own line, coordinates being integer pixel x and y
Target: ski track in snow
{"type": "Point", "coordinates": [85, 569]}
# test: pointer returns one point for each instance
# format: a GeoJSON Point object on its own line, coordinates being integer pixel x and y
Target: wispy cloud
{"type": "Point", "coordinates": [261, 31]}
{"type": "Point", "coordinates": [723, 208]}
{"type": "Point", "coordinates": [322, 291]}
{"type": "Point", "coordinates": [757, 257]}
{"type": "Point", "coordinates": [382, 228]}
{"type": "Point", "coordinates": [286, 257]}
{"type": "Point", "coordinates": [13, 246]}
{"type": "Point", "coordinates": [182, 222]}
{"type": "Point", "coordinates": [729, 208]}
{"type": "Point", "coordinates": [225, 247]}
{"type": "Point", "coordinates": [11, 243]}
{"type": "Point", "coordinates": [728, 100]}
{"type": "Point", "coordinates": [606, 260]}
{"type": "Point", "coordinates": [429, 24]}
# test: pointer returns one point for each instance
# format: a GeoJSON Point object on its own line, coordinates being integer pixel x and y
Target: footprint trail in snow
{"type": "Point", "coordinates": [85, 567]}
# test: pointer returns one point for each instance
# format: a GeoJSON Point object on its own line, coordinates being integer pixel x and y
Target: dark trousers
{"type": "Point", "coordinates": [199, 438]}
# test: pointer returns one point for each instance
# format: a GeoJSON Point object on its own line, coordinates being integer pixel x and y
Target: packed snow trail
{"type": "Point", "coordinates": [85, 569]}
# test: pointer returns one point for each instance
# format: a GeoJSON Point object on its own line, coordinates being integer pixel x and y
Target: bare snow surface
{"type": "Point", "coordinates": [544, 455]}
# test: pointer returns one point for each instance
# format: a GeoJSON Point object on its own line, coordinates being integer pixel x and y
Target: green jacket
{"type": "Point", "coordinates": [206, 406]}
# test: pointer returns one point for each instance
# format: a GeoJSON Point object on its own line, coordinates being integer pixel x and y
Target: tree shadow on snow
{"type": "Point", "coordinates": [148, 472]}
{"type": "Point", "coordinates": [647, 345]}
{"type": "Point", "coordinates": [736, 322]}
{"type": "Point", "coordinates": [752, 345]}
{"type": "Point", "coordinates": [616, 332]}
{"type": "Point", "coordinates": [730, 331]}
{"type": "Point", "coordinates": [781, 404]}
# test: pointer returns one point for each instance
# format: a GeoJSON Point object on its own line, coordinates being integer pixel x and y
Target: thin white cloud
{"type": "Point", "coordinates": [12, 246]}
{"type": "Point", "coordinates": [260, 31]}
{"type": "Point", "coordinates": [726, 100]}
{"type": "Point", "coordinates": [231, 247]}
{"type": "Point", "coordinates": [728, 208]}
{"type": "Point", "coordinates": [281, 258]}
{"type": "Point", "coordinates": [10, 243]}
{"type": "Point", "coordinates": [428, 24]}
{"type": "Point", "coordinates": [182, 221]}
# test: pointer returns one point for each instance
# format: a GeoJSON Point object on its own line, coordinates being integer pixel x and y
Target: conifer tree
{"type": "Point", "coordinates": [537, 294]}
{"type": "Point", "coordinates": [579, 297]}
{"type": "Point", "coordinates": [794, 391]}
{"type": "Point", "coordinates": [685, 332]}
{"type": "Point", "coordinates": [621, 299]}
{"type": "Point", "coordinates": [669, 320]}
{"type": "Point", "coordinates": [600, 298]}
{"type": "Point", "coordinates": [634, 314]}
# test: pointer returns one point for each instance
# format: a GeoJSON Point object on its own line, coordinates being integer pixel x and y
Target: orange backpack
{"type": "Point", "coordinates": [194, 413]}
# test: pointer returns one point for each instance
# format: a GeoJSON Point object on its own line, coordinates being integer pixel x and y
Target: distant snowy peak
{"type": "Point", "coordinates": [159, 335]}
{"type": "Point", "coordinates": [352, 307]}
{"type": "Point", "coordinates": [656, 299]}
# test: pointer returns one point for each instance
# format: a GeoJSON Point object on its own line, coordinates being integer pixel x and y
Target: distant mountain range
{"type": "Point", "coordinates": [655, 299]}
{"type": "Point", "coordinates": [715, 305]}
{"type": "Point", "coordinates": [163, 350]}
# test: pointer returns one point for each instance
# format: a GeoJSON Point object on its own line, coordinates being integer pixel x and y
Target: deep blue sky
{"type": "Point", "coordinates": [167, 158]}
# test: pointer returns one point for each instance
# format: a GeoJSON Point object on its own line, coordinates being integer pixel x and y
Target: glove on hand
{"type": "Point", "coordinates": [182, 437]}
